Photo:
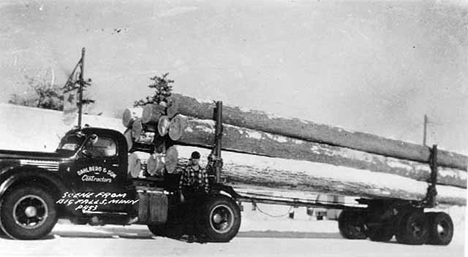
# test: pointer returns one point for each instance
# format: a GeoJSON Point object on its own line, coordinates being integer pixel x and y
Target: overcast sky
{"type": "Point", "coordinates": [372, 66]}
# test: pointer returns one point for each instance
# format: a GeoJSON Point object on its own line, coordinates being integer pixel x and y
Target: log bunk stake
{"type": "Point", "coordinates": [430, 200]}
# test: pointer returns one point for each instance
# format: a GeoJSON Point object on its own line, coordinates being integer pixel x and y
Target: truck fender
{"type": "Point", "coordinates": [29, 174]}
{"type": "Point", "coordinates": [225, 190]}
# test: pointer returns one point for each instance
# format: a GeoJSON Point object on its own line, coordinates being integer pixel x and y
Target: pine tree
{"type": "Point", "coordinates": [162, 91]}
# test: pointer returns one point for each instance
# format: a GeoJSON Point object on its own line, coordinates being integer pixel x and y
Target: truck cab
{"type": "Point", "coordinates": [98, 164]}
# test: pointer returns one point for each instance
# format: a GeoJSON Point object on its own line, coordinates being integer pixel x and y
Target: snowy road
{"type": "Point", "coordinates": [69, 240]}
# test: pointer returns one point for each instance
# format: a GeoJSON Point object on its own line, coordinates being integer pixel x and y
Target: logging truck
{"type": "Point", "coordinates": [88, 181]}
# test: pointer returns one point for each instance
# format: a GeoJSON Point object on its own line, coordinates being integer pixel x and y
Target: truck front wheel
{"type": "Point", "coordinates": [220, 218]}
{"type": "Point", "coordinates": [27, 213]}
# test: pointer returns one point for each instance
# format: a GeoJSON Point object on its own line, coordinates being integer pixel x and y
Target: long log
{"type": "Point", "coordinates": [155, 165]}
{"type": "Point", "coordinates": [130, 115]}
{"type": "Point", "coordinates": [310, 131]}
{"type": "Point", "coordinates": [143, 134]}
{"type": "Point", "coordinates": [244, 171]}
{"type": "Point", "coordinates": [192, 131]}
{"type": "Point", "coordinates": [137, 163]}
{"type": "Point", "coordinates": [152, 113]}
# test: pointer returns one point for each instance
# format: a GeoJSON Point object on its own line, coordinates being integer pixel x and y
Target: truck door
{"type": "Point", "coordinates": [100, 171]}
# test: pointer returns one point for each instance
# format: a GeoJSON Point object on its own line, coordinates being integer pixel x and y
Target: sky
{"type": "Point", "coordinates": [370, 66]}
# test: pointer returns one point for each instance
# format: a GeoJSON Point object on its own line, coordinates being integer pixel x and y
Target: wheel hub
{"type": "Point", "coordinates": [217, 218]}
{"type": "Point", "coordinates": [222, 218]}
{"type": "Point", "coordinates": [30, 211]}
{"type": "Point", "coordinates": [441, 229]}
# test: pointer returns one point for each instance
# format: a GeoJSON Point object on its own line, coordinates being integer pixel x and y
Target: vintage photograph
{"type": "Point", "coordinates": [233, 128]}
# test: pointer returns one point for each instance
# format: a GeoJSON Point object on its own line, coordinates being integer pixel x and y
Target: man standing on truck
{"type": "Point", "coordinates": [193, 188]}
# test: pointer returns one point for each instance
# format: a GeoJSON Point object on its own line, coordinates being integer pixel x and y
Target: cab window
{"type": "Point", "coordinates": [100, 147]}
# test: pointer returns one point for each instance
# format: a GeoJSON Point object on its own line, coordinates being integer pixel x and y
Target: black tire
{"type": "Point", "coordinates": [383, 233]}
{"type": "Point", "coordinates": [412, 228]}
{"type": "Point", "coordinates": [27, 213]}
{"type": "Point", "coordinates": [157, 230]}
{"type": "Point", "coordinates": [440, 228]}
{"type": "Point", "coordinates": [219, 218]}
{"type": "Point", "coordinates": [174, 227]}
{"type": "Point", "coordinates": [351, 225]}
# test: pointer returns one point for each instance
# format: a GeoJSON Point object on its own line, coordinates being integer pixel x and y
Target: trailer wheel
{"type": "Point", "coordinates": [412, 228]}
{"type": "Point", "coordinates": [381, 234]}
{"type": "Point", "coordinates": [27, 213]}
{"type": "Point", "coordinates": [220, 218]}
{"type": "Point", "coordinates": [351, 225]}
{"type": "Point", "coordinates": [440, 228]}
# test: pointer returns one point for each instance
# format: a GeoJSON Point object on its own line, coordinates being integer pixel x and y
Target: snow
{"type": "Point", "coordinates": [34, 129]}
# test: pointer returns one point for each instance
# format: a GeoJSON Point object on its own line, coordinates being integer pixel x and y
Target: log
{"type": "Point", "coordinates": [172, 108]}
{"type": "Point", "coordinates": [192, 131]}
{"type": "Point", "coordinates": [244, 171]}
{"type": "Point", "coordinates": [152, 113]}
{"type": "Point", "coordinates": [310, 131]}
{"type": "Point", "coordinates": [142, 134]}
{"type": "Point", "coordinates": [172, 160]}
{"type": "Point", "coordinates": [137, 163]}
{"type": "Point", "coordinates": [155, 165]}
{"type": "Point", "coordinates": [128, 138]}
{"type": "Point", "coordinates": [163, 126]}
{"type": "Point", "coordinates": [179, 127]}
{"type": "Point", "coordinates": [130, 115]}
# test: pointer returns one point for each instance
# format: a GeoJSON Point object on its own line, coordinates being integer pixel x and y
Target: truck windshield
{"type": "Point", "coordinates": [71, 142]}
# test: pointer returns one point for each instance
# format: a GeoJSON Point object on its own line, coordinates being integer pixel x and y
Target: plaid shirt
{"type": "Point", "coordinates": [194, 179]}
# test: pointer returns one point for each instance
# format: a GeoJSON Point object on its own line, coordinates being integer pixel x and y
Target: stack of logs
{"type": "Point", "coordinates": [270, 152]}
{"type": "Point", "coordinates": [146, 135]}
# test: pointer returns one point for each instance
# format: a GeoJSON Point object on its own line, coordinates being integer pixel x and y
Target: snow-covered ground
{"type": "Point", "coordinates": [260, 235]}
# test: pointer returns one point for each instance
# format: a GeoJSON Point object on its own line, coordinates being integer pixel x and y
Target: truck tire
{"type": "Point", "coordinates": [173, 228]}
{"type": "Point", "coordinates": [383, 233]}
{"type": "Point", "coordinates": [440, 228]}
{"type": "Point", "coordinates": [219, 218]}
{"type": "Point", "coordinates": [27, 213]}
{"type": "Point", "coordinates": [412, 228]}
{"type": "Point", "coordinates": [157, 230]}
{"type": "Point", "coordinates": [351, 225]}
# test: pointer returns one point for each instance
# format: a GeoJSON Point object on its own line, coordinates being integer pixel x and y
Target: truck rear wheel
{"type": "Point", "coordinates": [173, 228]}
{"type": "Point", "coordinates": [27, 213]}
{"type": "Point", "coordinates": [440, 228]}
{"type": "Point", "coordinates": [382, 233]}
{"type": "Point", "coordinates": [412, 228]}
{"type": "Point", "coordinates": [351, 225]}
{"type": "Point", "coordinates": [220, 218]}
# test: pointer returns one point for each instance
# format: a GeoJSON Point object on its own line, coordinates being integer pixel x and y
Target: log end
{"type": "Point", "coordinates": [137, 129]}
{"type": "Point", "coordinates": [163, 125]}
{"type": "Point", "coordinates": [177, 128]}
{"type": "Point", "coordinates": [129, 116]}
{"type": "Point", "coordinates": [152, 113]}
{"type": "Point", "coordinates": [155, 165]}
{"type": "Point", "coordinates": [128, 138]}
{"type": "Point", "coordinates": [172, 158]}
{"type": "Point", "coordinates": [137, 164]}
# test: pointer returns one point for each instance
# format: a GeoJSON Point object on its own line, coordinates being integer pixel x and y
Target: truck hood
{"type": "Point", "coordinates": [43, 156]}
